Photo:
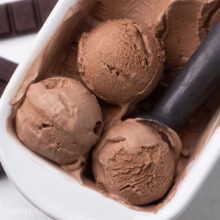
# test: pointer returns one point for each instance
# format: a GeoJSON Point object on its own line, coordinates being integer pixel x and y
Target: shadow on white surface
{"type": "Point", "coordinates": [206, 205]}
{"type": "Point", "coordinates": [13, 206]}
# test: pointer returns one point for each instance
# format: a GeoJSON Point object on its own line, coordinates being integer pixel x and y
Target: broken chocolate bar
{"type": "Point", "coordinates": [2, 87]}
{"type": "Point", "coordinates": [5, 28]}
{"type": "Point", "coordinates": [44, 8]}
{"type": "Point", "coordinates": [7, 68]}
{"type": "Point", "coordinates": [24, 16]}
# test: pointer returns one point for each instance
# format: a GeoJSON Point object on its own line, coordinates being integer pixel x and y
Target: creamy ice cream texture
{"type": "Point", "coordinates": [180, 25]}
{"type": "Point", "coordinates": [59, 119]}
{"type": "Point", "coordinates": [119, 62]}
{"type": "Point", "coordinates": [133, 161]}
{"type": "Point", "coordinates": [179, 32]}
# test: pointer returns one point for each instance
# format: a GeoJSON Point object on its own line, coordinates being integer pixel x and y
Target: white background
{"type": "Point", "coordinates": [206, 205]}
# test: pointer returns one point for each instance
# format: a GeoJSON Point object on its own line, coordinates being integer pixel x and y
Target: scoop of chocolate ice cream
{"type": "Point", "coordinates": [119, 62]}
{"type": "Point", "coordinates": [59, 119]}
{"type": "Point", "coordinates": [135, 162]}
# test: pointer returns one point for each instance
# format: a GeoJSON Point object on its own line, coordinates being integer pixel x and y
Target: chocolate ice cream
{"type": "Point", "coordinates": [119, 62]}
{"type": "Point", "coordinates": [179, 26]}
{"type": "Point", "coordinates": [135, 162]}
{"type": "Point", "coordinates": [59, 119]}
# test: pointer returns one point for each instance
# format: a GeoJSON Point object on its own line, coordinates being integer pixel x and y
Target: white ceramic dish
{"type": "Point", "coordinates": [59, 195]}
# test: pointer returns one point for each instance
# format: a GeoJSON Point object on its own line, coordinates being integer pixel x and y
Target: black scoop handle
{"type": "Point", "coordinates": [197, 80]}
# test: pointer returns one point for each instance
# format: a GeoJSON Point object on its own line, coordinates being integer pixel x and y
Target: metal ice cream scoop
{"type": "Point", "coordinates": [197, 80]}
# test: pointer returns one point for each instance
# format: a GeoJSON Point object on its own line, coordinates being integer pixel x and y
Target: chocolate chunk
{"type": "Point", "coordinates": [45, 7]}
{"type": "Point", "coordinates": [1, 169]}
{"type": "Point", "coordinates": [24, 16]}
{"type": "Point", "coordinates": [7, 68]}
{"type": "Point", "coordinates": [4, 21]}
{"type": "Point", "coordinates": [2, 87]}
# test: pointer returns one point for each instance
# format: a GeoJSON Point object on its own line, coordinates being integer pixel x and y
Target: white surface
{"type": "Point", "coordinates": [206, 205]}
{"type": "Point", "coordinates": [15, 48]}
{"type": "Point", "coordinates": [14, 207]}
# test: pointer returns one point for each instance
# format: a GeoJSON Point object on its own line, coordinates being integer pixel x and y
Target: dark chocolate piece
{"type": "Point", "coordinates": [5, 27]}
{"type": "Point", "coordinates": [2, 87]}
{"type": "Point", "coordinates": [24, 16]}
{"type": "Point", "coordinates": [7, 68]}
{"type": "Point", "coordinates": [1, 171]}
{"type": "Point", "coordinates": [45, 7]}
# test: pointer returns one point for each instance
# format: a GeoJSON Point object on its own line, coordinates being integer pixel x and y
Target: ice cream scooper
{"type": "Point", "coordinates": [137, 161]}
{"type": "Point", "coordinates": [197, 80]}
